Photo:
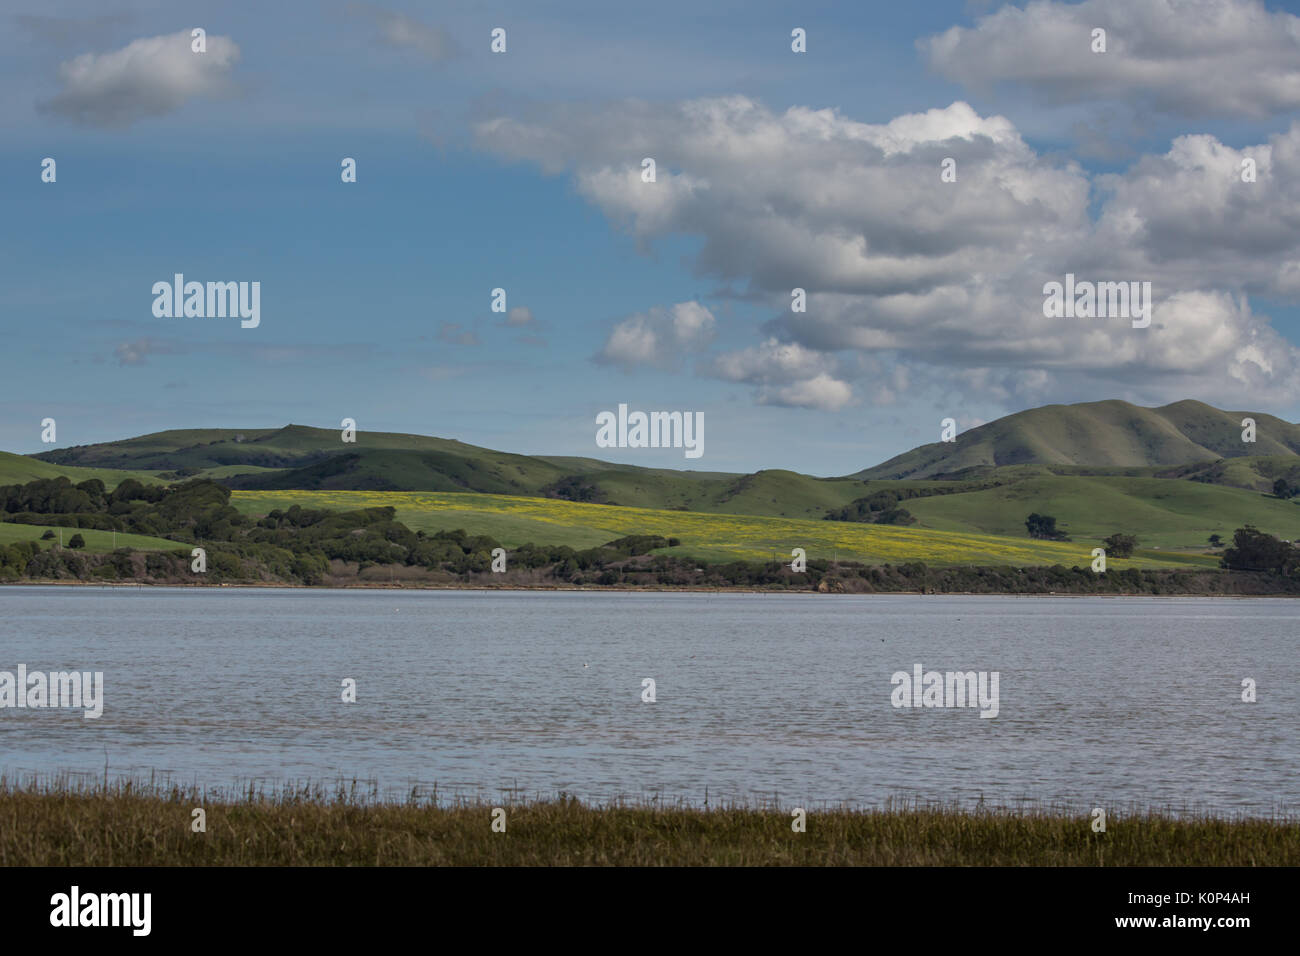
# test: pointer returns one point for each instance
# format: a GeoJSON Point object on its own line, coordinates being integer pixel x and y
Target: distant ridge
{"type": "Point", "coordinates": [1172, 475]}
{"type": "Point", "coordinates": [1107, 434]}
{"type": "Point", "coordinates": [1186, 440]}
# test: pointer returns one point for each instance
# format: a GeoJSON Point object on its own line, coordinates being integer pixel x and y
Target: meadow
{"type": "Point", "coordinates": [20, 469]}
{"type": "Point", "coordinates": [516, 520]}
{"type": "Point", "coordinates": [97, 542]}
{"type": "Point", "coordinates": [1163, 513]}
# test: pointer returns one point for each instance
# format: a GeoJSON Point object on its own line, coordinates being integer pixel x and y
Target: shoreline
{"type": "Point", "coordinates": [617, 589]}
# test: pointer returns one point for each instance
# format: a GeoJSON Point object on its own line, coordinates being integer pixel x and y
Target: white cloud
{"type": "Point", "coordinates": [1188, 57]}
{"type": "Point", "coordinates": [658, 338]}
{"type": "Point", "coordinates": [151, 76]}
{"type": "Point", "coordinates": [820, 392]}
{"type": "Point", "coordinates": [944, 280]}
{"type": "Point", "coordinates": [786, 373]}
{"type": "Point", "coordinates": [519, 315]}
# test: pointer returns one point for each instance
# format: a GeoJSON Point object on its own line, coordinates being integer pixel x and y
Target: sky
{"type": "Point", "coordinates": [824, 170]}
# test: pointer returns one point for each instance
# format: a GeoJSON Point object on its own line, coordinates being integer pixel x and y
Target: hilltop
{"type": "Point", "coordinates": [1109, 434]}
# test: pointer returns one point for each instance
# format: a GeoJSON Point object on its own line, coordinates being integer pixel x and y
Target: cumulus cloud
{"type": "Point", "coordinates": [786, 373]}
{"type": "Point", "coordinates": [821, 391]}
{"type": "Point", "coordinates": [398, 30]}
{"type": "Point", "coordinates": [1188, 57]}
{"type": "Point", "coordinates": [151, 76]}
{"type": "Point", "coordinates": [520, 315]}
{"type": "Point", "coordinates": [659, 338]}
{"type": "Point", "coordinates": [945, 280]}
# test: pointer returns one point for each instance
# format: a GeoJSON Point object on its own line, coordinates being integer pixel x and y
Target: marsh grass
{"type": "Point", "coordinates": [60, 822]}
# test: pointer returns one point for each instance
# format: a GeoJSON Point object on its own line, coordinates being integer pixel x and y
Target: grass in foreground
{"type": "Point", "coordinates": [122, 826]}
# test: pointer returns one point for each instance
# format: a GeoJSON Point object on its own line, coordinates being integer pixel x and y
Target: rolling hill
{"type": "Point", "coordinates": [20, 469]}
{"type": "Point", "coordinates": [1110, 434]}
{"type": "Point", "coordinates": [298, 457]}
{"type": "Point", "coordinates": [1172, 475]}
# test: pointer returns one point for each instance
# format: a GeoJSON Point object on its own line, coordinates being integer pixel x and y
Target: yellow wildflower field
{"type": "Point", "coordinates": [516, 520]}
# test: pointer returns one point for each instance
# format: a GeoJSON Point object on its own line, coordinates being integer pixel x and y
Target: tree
{"type": "Point", "coordinates": [1215, 541]}
{"type": "Point", "coordinates": [77, 541]}
{"type": "Point", "coordinates": [1120, 545]}
{"type": "Point", "coordinates": [895, 516]}
{"type": "Point", "coordinates": [48, 536]}
{"type": "Point", "coordinates": [1043, 527]}
{"type": "Point", "coordinates": [1283, 489]}
{"type": "Point", "coordinates": [1253, 550]}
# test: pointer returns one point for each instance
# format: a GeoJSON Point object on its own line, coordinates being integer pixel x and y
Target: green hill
{"type": "Point", "coordinates": [97, 542]}
{"type": "Point", "coordinates": [314, 459]}
{"type": "Point", "coordinates": [20, 469]}
{"type": "Point", "coordinates": [1162, 513]}
{"type": "Point", "coordinates": [1106, 434]}
{"type": "Point", "coordinates": [1172, 475]}
{"type": "Point", "coordinates": [516, 519]}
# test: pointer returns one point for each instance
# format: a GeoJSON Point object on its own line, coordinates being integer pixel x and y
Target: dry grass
{"type": "Point", "coordinates": [125, 825]}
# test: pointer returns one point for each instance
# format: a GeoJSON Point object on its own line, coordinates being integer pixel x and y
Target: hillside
{"type": "Point", "coordinates": [1109, 434]}
{"type": "Point", "coordinates": [19, 469]}
{"type": "Point", "coordinates": [1173, 476]}
{"type": "Point", "coordinates": [292, 446]}
{"type": "Point", "coordinates": [298, 457]}
{"type": "Point", "coordinates": [516, 520]}
{"type": "Point", "coordinates": [1161, 512]}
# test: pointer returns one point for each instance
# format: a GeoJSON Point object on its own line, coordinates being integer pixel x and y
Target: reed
{"type": "Point", "coordinates": [60, 822]}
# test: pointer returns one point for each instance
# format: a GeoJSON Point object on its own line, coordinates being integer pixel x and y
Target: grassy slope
{"type": "Point", "coordinates": [96, 541]}
{"type": "Point", "coordinates": [1164, 513]}
{"type": "Point", "coordinates": [137, 452]}
{"type": "Point", "coordinates": [1193, 499]}
{"type": "Point", "coordinates": [1257, 472]}
{"type": "Point", "coordinates": [1109, 433]}
{"type": "Point", "coordinates": [1161, 512]}
{"type": "Point", "coordinates": [294, 444]}
{"type": "Point", "coordinates": [515, 520]}
{"type": "Point", "coordinates": [20, 469]}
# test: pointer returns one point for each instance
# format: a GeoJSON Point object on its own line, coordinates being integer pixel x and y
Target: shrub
{"type": "Point", "coordinates": [1120, 545]}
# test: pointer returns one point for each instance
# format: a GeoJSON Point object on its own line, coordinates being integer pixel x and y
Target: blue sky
{"type": "Point", "coordinates": [518, 170]}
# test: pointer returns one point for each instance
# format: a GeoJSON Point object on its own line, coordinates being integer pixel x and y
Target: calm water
{"type": "Point", "coordinates": [1103, 702]}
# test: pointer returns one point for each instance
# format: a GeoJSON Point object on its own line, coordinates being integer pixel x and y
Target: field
{"type": "Point", "coordinates": [20, 469]}
{"type": "Point", "coordinates": [97, 542]}
{"type": "Point", "coordinates": [515, 520]}
{"type": "Point", "coordinates": [125, 827]}
{"type": "Point", "coordinates": [1163, 513]}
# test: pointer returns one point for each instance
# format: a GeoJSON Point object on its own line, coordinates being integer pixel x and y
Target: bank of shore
{"type": "Point", "coordinates": [615, 588]}
{"type": "Point", "coordinates": [125, 826]}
